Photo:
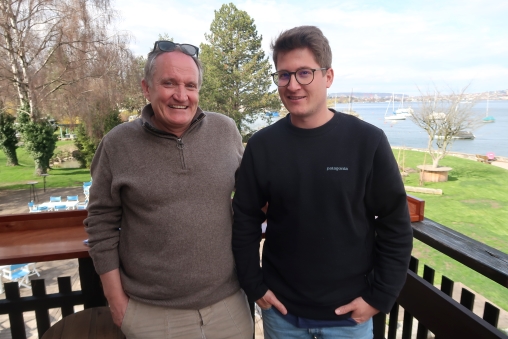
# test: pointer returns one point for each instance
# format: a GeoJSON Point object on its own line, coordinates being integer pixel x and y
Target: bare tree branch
{"type": "Point", "coordinates": [444, 118]}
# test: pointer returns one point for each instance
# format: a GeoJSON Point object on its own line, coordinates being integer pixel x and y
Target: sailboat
{"type": "Point", "coordinates": [393, 116]}
{"type": "Point", "coordinates": [488, 118]}
{"type": "Point", "coordinates": [350, 110]}
{"type": "Point", "coordinates": [407, 112]}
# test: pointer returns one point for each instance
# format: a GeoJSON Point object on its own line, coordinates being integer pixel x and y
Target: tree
{"type": "Point", "coordinates": [8, 140]}
{"type": "Point", "coordinates": [236, 71]}
{"type": "Point", "coordinates": [47, 41]}
{"type": "Point", "coordinates": [87, 143]}
{"type": "Point", "coordinates": [443, 117]}
{"type": "Point", "coordinates": [39, 139]}
{"type": "Point", "coordinates": [57, 55]}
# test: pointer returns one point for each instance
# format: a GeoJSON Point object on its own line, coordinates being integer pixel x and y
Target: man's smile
{"type": "Point", "coordinates": [294, 97]}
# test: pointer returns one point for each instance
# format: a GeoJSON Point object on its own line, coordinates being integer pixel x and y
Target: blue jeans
{"type": "Point", "coordinates": [275, 327]}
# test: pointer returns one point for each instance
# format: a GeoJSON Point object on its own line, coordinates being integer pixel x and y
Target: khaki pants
{"type": "Point", "coordinates": [229, 318]}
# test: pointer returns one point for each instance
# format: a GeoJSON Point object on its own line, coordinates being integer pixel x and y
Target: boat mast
{"type": "Point", "coordinates": [350, 108]}
{"type": "Point", "coordinates": [487, 111]}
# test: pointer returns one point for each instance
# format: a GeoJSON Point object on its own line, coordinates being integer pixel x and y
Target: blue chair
{"type": "Point", "coordinates": [87, 183]}
{"type": "Point", "coordinates": [19, 273]}
{"type": "Point", "coordinates": [32, 207]}
{"type": "Point", "coordinates": [55, 199]}
{"type": "Point", "coordinates": [82, 205]}
{"type": "Point", "coordinates": [60, 208]}
{"type": "Point", "coordinates": [72, 198]}
{"type": "Point", "coordinates": [86, 190]}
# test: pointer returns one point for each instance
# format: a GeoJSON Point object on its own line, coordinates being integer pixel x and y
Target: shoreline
{"type": "Point", "coordinates": [500, 161]}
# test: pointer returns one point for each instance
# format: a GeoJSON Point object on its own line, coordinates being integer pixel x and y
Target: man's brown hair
{"type": "Point", "coordinates": [309, 37]}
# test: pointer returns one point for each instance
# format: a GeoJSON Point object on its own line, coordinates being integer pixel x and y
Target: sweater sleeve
{"type": "Point", "coordinates": [104, 214]}
{"type": "Point", "coordinates": [386, 198]}
{"type": "Point", "coordinates": [248, 217]}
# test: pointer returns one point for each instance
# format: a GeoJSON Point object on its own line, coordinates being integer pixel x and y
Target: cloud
{"type": "Point", "coordinates": [377, 46]}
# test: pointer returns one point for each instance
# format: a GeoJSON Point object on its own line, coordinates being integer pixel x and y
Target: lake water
{"type": "Point", "coordinates": [490, 137]}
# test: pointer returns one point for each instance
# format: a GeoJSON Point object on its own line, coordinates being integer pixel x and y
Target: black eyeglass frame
{"type": "Point", "coordinates": [294, 73]}
{"type": "Point", "coordinates": [188, 49]}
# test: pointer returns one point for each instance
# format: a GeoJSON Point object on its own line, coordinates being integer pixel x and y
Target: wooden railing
{"type": "Point", "coordinates": [433, 308]}
{"type": "Point", "coordinates": [38, 237]}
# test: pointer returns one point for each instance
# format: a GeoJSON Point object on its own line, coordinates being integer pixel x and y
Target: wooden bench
{"type": "Point", "coordinates": [483, 158]}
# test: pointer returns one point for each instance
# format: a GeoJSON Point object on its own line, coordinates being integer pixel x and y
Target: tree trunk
{"type": "Point", "coordinates": [435, 161]}
{"type": "Point", "coordinates": [40, 168]}
{"type": "Point", "coordinates": [12, 157]}
{"type": "Point", "coordinates": [19, 66]}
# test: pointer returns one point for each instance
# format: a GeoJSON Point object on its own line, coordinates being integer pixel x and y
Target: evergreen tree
{"type": "Point", "coordinates": [38, 137]}
{"type": "Point", "coordinates": [87, 143]}
{"type": "Point", "coordinates": [236, 72]}
{"type": "Point", "coordinates": [8, 140]}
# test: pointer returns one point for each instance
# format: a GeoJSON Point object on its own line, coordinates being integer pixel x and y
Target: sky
{"type": "Point", "coordinates": [378, 46]}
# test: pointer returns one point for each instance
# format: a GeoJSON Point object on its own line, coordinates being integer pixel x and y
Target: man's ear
{"type": "Point", "coordinates": [329, 77]}
{"type": "Point", "coordinates": [146, 89]}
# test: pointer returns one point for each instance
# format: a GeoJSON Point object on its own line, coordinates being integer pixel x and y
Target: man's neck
{"type": "Point", "coordinates": [312, 121]}
{"type": "Point", "coordinates": [177, 132]}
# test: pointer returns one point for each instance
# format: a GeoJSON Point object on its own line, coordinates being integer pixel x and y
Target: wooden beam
{"type": "Point", "coordinates": [424, 302]}
{"type": "Point", "coordinates": [484, 259]}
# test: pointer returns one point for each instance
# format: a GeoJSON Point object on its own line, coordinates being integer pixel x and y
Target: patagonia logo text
{"type": "Point", "coordinates": [337, 169]}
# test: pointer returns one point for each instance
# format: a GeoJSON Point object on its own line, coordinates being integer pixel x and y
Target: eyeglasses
{"type": "Point", "coordinates": [170, 46]}
{"type": "Point", "coordinates": [303, 76]}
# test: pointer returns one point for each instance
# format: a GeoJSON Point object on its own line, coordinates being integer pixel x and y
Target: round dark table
{"type": "Point", "coordinates": [92, 323]}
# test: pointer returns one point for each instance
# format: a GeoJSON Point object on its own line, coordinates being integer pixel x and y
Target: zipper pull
{"type": "Point", "coordinates": [179, 143]}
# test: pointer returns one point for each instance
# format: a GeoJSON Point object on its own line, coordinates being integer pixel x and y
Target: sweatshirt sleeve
{"type": "Point", "coordinates": [104, 214]}
{"type": "Point", "coordinates": [248, 217]}
{"type": "Point", "coordinates": [386, 198]}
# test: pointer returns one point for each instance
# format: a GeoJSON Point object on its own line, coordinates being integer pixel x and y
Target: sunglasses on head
{"type": "Point", "coordinates": [170, 46]}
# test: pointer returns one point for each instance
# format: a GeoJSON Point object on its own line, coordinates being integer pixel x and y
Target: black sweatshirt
{"type": "Point", "coordinates": [324, 245]}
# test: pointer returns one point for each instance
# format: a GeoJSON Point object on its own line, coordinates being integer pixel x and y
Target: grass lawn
{"type": "Point", "coordinates": [16, 177]}
{"type": "Point", "coordinates": [474, 203]}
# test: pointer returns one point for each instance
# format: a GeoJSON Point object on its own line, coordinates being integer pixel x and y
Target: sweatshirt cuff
{"type": "Point", "coordinates": [379, 299]}
{"type": "Point", "coordinates": [105, 261]}
{"type": "Point", "coordinates": [255, 293]}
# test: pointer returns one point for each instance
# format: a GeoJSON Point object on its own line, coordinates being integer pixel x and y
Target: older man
{"type": "Point", "coordinates": [339, 237]}
{"type": "Point", "coordinates": [159, 218]}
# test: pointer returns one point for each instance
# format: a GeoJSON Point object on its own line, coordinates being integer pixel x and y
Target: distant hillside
{"type": "Point", "coordinates": [501, 94]}
{"type": "Point", "coordinates": [360, 95]}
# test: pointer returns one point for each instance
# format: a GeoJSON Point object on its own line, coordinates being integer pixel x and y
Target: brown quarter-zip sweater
{"type": "Point", "coordinates": [171, 198]}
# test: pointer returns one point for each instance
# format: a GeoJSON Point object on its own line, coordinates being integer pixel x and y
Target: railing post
{"type": "Point", "coordinates": [491, 314]}
{"type": "Point", "coordinates": [41, 313]}
{"type": "Point", "coordinates": [447, 285]}
{"type": "Point", "coordinates": [407, 325]}
{"type": "Point", "coordinates": [467, 299]}
{"type": "Point", "coordinates": [16, 320]}
{"type": "Point", "coordinates": [65, 288]}
{"type": "Point", "coordinates": [379, 324]}
{"type": "Point", "coordinates": [394, 321]}
{"type": "Point", "coordinates": [428, 275]}
{"type": "Point", "coordinates": [91, 284]}
{"type": "Point", "coordinates": [447, 288]}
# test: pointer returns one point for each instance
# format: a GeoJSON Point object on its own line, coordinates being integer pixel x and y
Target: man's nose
{"type": "Point", "coordinates": [293, 84]}
{"type": "Point", "coordinates": [180, 93]}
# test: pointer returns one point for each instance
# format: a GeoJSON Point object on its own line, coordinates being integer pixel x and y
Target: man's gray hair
{"type": "Point", "coordinates": [150, 65]}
